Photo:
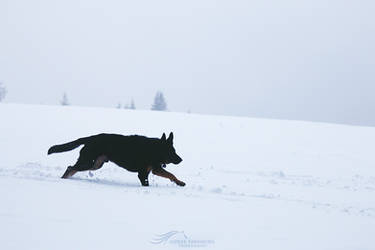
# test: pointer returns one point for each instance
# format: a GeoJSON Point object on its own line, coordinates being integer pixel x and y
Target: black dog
{"type": "Point", "coordinates": [134, 153]}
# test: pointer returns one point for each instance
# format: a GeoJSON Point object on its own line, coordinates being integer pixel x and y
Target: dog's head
{"type": "Point", "coordinates": [169, 153]}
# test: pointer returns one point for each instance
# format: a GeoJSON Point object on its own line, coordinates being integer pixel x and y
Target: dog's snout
{"type": "Point", "coordinates": [177, 160]}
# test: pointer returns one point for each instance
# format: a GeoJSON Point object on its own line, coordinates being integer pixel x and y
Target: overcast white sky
{"type": "Point", "coordinates": [293, 59]}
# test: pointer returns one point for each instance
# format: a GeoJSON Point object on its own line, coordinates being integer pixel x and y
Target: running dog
{"type": "Point", "coordinates": [134, 153]}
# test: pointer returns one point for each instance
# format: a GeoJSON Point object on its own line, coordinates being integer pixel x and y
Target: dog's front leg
{"type": "Point", "coordinates": [164, 173]}
{"type": "Point", "coordinates": [143, 176]}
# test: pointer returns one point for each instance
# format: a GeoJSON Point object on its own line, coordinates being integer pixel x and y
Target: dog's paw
{"type": "Point", "coordinates": [180, 183]}
{"type": "Point", "coordinates": [145, 182]}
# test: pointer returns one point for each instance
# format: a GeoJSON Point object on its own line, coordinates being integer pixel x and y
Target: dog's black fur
{"type": "Point", "coordinates": [134, 153]}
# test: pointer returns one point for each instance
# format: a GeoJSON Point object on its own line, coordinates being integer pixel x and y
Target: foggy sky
{"type": "Point", "coordinates": [293, 59]}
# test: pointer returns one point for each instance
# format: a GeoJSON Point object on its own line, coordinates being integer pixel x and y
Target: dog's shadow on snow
{"type": "Point", "coordinates": [114, 183]}
{"type": "Point", "coordinates": [106, 182]}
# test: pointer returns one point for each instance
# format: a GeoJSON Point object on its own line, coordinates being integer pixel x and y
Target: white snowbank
{"type": "Point", "coordinates": [251, 184]}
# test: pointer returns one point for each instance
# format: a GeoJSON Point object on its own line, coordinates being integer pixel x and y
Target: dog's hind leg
{"type": "Point", "coordinates": [99, 162]}
{"type": "Point", "coordinates": [84, 162]}
{"type": "Point", "coordinates": [83, 165]}
{"type": "Point", "coordinates": [69, 172]}
{"type": "Point", "coordinates": [79, 166]}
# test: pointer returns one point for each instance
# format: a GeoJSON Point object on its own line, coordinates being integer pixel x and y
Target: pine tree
{"type": "Point", "coordinates": [118, 105]}
{"type": "Point", "coordinates": [3, 91]}
{"type": "Point", "coordinates": [132, 105]}
{"type": "Point", "coordinates": [64, 100]}
{"type": "Point", "coordinates": [159, 102]}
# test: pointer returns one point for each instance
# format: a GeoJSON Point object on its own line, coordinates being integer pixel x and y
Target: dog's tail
{"type": "Point", "coordinates": [67, 146]}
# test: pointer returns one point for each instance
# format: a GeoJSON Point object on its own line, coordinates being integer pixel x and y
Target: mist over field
{"type": "Point", "coordinates": [304, 60]}
{"type": "Point", "coordinates": [200, 124]}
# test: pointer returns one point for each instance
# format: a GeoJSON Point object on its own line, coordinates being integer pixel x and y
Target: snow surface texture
{"type": "Point", "coordinates": [251, 184]}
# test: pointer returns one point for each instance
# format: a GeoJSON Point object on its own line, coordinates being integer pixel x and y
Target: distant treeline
{"type": "Point", "coordinates": [159, 103]}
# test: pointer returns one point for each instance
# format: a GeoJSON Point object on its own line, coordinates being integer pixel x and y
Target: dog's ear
{"type": "Point", "coordinates": [163, 137]}
{"type": "Point", "coordinates": [170, 138]}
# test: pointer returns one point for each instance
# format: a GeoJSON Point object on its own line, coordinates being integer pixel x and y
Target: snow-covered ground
{"type": "Point", "coordinates": [251, 184]}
